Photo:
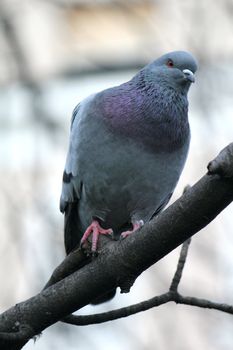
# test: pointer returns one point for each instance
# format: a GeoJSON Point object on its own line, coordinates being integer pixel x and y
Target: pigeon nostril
{"type": "Point", "coordinates": [189, 75]}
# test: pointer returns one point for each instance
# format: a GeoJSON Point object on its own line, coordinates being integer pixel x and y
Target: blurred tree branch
{"type": "Point", "coordinates": [24, 72]}
{"type": "Point", "coordinates": [121, 262]}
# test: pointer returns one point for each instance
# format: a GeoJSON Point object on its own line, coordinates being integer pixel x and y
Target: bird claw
{"type": "Point", "coordinates": [95, 229]}
{"type": "Point", "coordinates": [136, 225]}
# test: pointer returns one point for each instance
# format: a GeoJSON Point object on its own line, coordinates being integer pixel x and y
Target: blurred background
{"type": "Point", "coordinates": [54, 53]}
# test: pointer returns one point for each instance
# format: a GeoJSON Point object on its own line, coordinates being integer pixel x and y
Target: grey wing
{"type": "Point", "coordinates": [71, 185]}
{"type": "Point", "coordinates": [70, 182]}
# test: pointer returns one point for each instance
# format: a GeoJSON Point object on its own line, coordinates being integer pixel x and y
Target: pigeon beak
{"type": "Point", "coordinates": [189, 75]}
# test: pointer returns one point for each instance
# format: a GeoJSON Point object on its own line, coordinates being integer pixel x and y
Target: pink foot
{"type": "Point", "coordinates": [96, 230]}
{"type": "Point", "coordinates": [136, 226]}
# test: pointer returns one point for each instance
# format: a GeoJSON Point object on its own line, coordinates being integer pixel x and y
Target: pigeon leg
{"type": "Point", "coordinates": [96, 230]}
{"type": "Point", "coordinates": [136, 225]}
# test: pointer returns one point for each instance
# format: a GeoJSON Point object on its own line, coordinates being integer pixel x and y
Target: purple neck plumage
{"type": "Point", "coordinates": [154, 116]}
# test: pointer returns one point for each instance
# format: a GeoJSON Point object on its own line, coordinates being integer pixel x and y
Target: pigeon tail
{"type": "Point", "coordinates": [72, 230]}
{"type": "Point", "coordinates": [104, 297]}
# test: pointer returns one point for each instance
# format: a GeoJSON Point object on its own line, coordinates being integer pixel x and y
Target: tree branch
{"type": "Point", "coordinates": [203, 303]}
{"type": "Point", "coordinates": [119, 313]}
{"type": "Point", "coordinates": [121, 262]}
{"type": "Point", "coordinates": [146, 305]}
{"type": "Point", "coordinates": [180, 266]}
{"type": "Point", "coordinates": [73, 262]}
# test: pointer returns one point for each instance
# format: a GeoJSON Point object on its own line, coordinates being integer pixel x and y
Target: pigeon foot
{"type": "Point", "coordinates": [96, 230]}
{"type": "Point", "coordinates": [136, 225]}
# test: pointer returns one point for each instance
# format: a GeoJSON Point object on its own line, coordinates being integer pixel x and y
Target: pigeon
{"type": "Point", "coordinates": [128, 146]}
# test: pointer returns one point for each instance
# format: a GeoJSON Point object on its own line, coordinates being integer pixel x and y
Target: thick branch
{"type": "Point", "coordinates": [121, 262]}
{"type": "Point", "coordinates": [73, 262]}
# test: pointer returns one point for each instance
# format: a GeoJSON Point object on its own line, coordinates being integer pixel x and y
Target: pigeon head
{"type": "Point", "coordinates": [175, 69]}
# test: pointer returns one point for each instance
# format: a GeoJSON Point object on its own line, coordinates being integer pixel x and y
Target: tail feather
{"type": "Point", "coordinates": [104, 297]}
{"type": "Point", "coordinates": [72, 232]}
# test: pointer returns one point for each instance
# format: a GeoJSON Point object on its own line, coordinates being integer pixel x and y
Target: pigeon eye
{"type": "Point", "coordinates": [170, 63]}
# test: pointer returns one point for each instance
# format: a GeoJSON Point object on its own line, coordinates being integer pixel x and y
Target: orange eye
{"type": "Point", "coordinates": [170, 63]}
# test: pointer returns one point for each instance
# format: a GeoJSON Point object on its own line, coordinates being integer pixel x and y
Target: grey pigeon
{"type": "Point", "coordinates": [128, 146]}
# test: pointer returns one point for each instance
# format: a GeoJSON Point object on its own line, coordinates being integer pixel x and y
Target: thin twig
{"type": "Point", "coordinates": [119, 313]}
{"type": "Point", "coordinates": [204, 303]}
{"type": "Point", "coordinates": [146, 305]}
{"type": "Point", "coordinates": [180, 266]}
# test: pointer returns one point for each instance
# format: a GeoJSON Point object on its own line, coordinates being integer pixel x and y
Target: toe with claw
{"type": "Point", "coordinates": [95, 229]}
{"type": "Point", "coordinates": [136, 225]}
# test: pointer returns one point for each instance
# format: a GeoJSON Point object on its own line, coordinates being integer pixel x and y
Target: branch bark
{"type": "Point", "coordinates": [121, 262]}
